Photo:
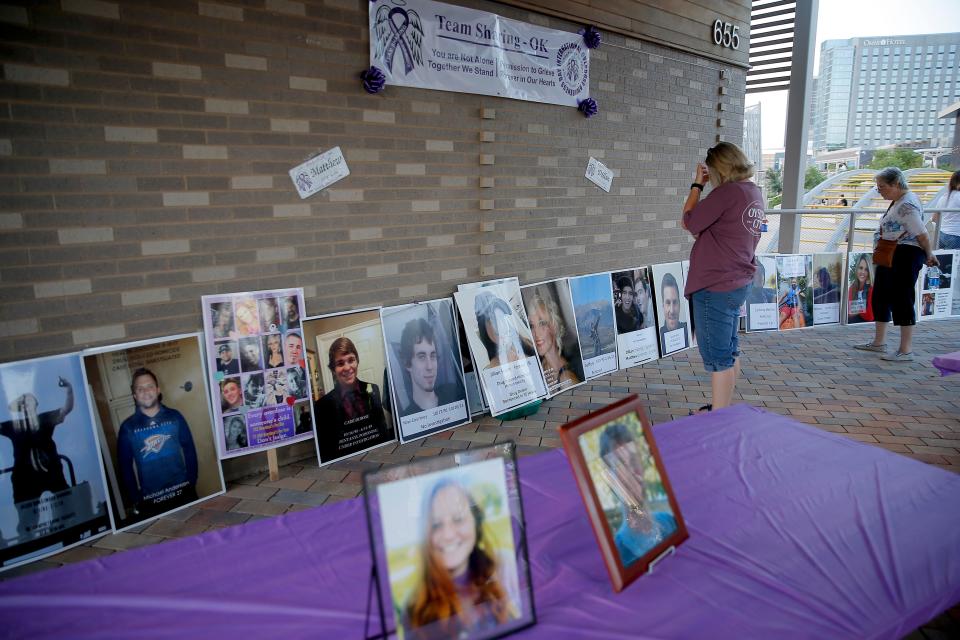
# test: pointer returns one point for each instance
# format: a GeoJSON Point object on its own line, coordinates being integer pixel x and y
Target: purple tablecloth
{"type": "Point", "coordinates": [948, 363]}
{"type": "Point", "coordinates": [794, 533]}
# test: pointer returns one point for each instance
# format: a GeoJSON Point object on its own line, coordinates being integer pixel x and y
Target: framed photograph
{"type": "Point", "coordinates": [426, 370]}
{"type": "Point", "coordinates": [53, 492]}
{"type": "Point", "coordinates": [351, 412]}
{"type": "Point", "coordinates": [673, 310]}
{"type": "Point", "coordinates": [152, 411]}
{"type": "Point", "coordinates": [794, 292]}
{"type": "Point", "coordinates": [501, 343]}
{"type": "Point", "coordinates": [827, 286]}
{"type": "Point", "coordinates": [761, 304]}
{"type": "Point", "coordinates": [859, 288]}
{"type": "Point", "coordinates": [554, 327]}
{"type": "Point", "coordinates": [449, 541]}
{"type": "Point", "coordinates": [621, 478]}
{"type": "Point", "coordinates": [257, 369]}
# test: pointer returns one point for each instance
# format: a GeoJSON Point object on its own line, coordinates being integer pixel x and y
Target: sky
{"type": "Point", "coordinates": [842, 19]}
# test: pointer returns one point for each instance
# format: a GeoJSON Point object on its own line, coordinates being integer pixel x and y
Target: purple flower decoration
{"type": "Point", "coordinates": [588, 107]}
{"type": "Point", "coordinates": [591, 37]}
{"type": "Point", "coordinates": [373, 80]}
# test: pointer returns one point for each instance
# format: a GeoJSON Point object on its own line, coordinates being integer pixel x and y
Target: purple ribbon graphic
{"type": "Point", "coordinates": [398, 40]}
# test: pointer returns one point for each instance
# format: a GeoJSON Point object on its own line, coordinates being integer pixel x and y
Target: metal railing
{"type": "Point", "coordinates": [850, 229]}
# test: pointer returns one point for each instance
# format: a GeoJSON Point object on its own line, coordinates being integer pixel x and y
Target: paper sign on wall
{"type": "Point", "coordinates": [319, 172]}
{"type": "Point", "coordinates": [599, 174]}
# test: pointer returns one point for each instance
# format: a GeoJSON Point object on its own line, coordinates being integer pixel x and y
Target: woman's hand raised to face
{"type": "Point", "coordinates": [703, 174]}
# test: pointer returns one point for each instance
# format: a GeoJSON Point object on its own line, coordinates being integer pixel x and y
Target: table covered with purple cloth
{"type": "Point", "coordinates": [948, 363]}
{"type": "Point", "coordinates": [794, 533]}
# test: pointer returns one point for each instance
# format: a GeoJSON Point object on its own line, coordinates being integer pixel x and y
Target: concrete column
{"type": "Point", "coordinates": [798, 103]}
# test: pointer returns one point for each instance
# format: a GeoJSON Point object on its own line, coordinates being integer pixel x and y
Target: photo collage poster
{"type": "Point", "coordinates": [596, 324]}
{"type": "Point", "coordinates": [636, 321]}
{"type": "Point", "coordinates": [53, 493]}
{"type": "Point", "coordinates": [437, 520]}
{"type": "Point", "coordinates": [152, 411]}
{"type": "Point", "coordinates": [827, 287]}
{"type": "Point", "coordinates": [673, 310]}
{"type": "Point", "coordinates": [425, 368]}
{"type": "Point", "coordinates": [257, 367]}
{"type": "Point", "coordinates": [794, 292]}
{"type": "Point", "coordinates": [936, 288]}
{"type": "Point", "coordinates": [554, 327]}
{"type": "Point", "coordinates": [348, 371]}
{"type": "Point", "coordinates": [860, 288]}
{"type": "Point", "coordinates": [501, 343]}
{"type": "Point", "coordinates": [762, 298]}
{"type": "Point", "coordinates": [685, 269]}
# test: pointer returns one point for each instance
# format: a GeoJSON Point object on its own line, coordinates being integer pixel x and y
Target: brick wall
{"type": "Point", "coordinates": [144, 150]}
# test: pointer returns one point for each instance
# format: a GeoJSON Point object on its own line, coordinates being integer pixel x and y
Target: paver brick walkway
{"type": "Point", "coordinates": [813, 375]}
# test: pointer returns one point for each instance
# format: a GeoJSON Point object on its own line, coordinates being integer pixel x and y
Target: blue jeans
{"type": "Point", "coordinates": [948, 241]}
{"type": "Point", "coordinates": [716, 315]}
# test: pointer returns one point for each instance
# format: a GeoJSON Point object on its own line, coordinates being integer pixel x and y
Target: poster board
{"type": "Point", "coordinates": [157, 435]}
{"type": "Point", "coordinates": [637, 340]}
{"type": "Point", "coordinates": [53, 491]}
{"type": "Point", "coordinates": [596, 326]}
{"type": "Point", "coordinates": [554, 326]}
{"type": "Point", "coordinates": [828, 275]}
{"type": "Point", "coordinates": [270, 392]}
{"type": "Point", "coordinates": [351, 413]}
{"type": "Point", "coordinates": [425, 367]}
{"type": "Point", "coordinates": [673, 309]}
{"type": "Point", "coordinates": [501, 343]}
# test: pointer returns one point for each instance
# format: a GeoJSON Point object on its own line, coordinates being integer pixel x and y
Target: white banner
{"type": "Point", "coordinates": [431, 45]}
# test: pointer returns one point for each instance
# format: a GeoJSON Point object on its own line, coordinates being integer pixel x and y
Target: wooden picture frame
{"type": "Point", "coordinates": [624, 486]}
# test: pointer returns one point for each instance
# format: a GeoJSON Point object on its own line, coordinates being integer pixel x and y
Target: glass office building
{"type": "Point", "coordinates": [873, 92]}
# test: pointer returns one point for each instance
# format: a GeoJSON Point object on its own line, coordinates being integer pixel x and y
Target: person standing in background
{"type": "Point", "coordinates": [950, 221]}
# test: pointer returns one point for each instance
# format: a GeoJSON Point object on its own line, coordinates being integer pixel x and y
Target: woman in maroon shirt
{"type": "Point", "coordinates": [726, 225]}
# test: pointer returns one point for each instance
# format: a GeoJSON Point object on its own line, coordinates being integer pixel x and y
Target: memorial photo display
{"type": "Point", "coordinates": [449, 541]}
{"type": "Point", "coordinates": [53, 493]}
{"type": "Point", "coordinates": [860, 288]}
{"type": "Point", "coordinates": [152, 410]}
{"type": "Point", "coordinates": [673, 310]}
{"type": "Point", "coordinates": [761, 301]}
{"type": "Point", "coordinates": [827, 287]}
{"type": "Point", "coordinates": [257, 369]}
{"type": "Point", "coordinates": [636, 322]}
{"type": "Point", "coordinates": [554, 328]}
{"type": "Point", "coordinates": [501, 343]}
{"type": "Point", "coordinates": [351, 407]}
{"type": "Point", "coordinates": [621, 478]}
{"type": "Point", "coordinates": [936, 288]}
{"type": "Point", "coordinates": [596, 325]}
{"type": "Point", "coordinates": [794, 292]}
{"type": "Point", "coordinates": [426, 371]}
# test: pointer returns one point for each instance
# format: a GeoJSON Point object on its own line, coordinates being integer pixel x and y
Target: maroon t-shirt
{"type": "Point", "coordinates": [727, 224]}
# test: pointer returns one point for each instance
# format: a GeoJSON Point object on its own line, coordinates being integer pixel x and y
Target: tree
{"type": "Point", "coordinates": [812, 178]}
{"type": "Point", "coordinates": [774, 180]}
{"type": "Point", "coordinates": [902, 158]}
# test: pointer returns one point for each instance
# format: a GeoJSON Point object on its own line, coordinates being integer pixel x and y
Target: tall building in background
{"type": "Point", "coordinates": [751, 136]}
{"type": "Point", "coordinates": [873, 92]}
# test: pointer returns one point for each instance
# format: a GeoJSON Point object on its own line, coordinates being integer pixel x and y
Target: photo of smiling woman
{"type": "Point", "coordinates": [554, 327]}
{"type": "Point", "coordinates": [451, 553]}
{"type": "Point", "coordinates": [349, 414]}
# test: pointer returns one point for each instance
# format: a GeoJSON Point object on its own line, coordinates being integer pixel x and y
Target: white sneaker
{"type": "Point", "coordinates": [869, 346]}
{"type": "Point", "coordinates": [898, 357]}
